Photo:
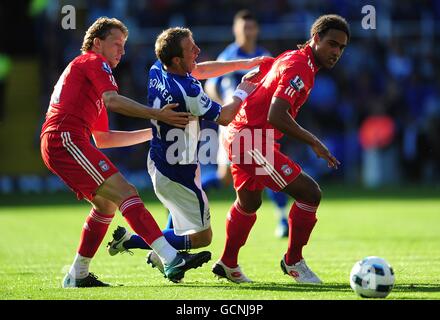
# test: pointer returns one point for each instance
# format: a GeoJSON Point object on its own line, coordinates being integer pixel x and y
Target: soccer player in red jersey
{"type": "Point", "coordinates": [265, 116]}
{"type": "Point", "coordinates": [77, 111]}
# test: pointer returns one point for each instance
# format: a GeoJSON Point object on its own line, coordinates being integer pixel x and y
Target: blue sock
{"type": "Point", "coordinates": [178, 242]}
{"type": "Point", "coordinates": [210, 181]}
{"type": "Point", "coordinates": [136, 242]}
{"type": "Point", "coordinates": [280, 199]}
{"type": "Point", "coordinates": [170, 224]}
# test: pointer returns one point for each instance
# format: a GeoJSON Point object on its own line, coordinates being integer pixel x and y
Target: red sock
{"type": "Point", "coordinates": [302, 219]}
{"type": "Point", "coordinates": [140, 219]}
{"type": "Point", "coordinates": [93, 233]}
{"type": "Point", "coordinates": [238, 227]}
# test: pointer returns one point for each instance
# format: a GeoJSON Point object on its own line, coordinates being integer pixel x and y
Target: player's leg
{"type": "Point", "coordinates": [240, 220]}
{"type": "Point", "coordinates": [118, 190]}
{"type": "Point", "coordinates": [76, 162]}
{"type": "Point", "coordinates": [302, 219]}
{"type": "Point", "coordinates": [280, 201]}
{"type": "Point", "coordinates": [93, 232]}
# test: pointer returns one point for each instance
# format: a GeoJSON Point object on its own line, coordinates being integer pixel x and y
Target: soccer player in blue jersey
{"type": "Point", "coordinates": [245, 28]}
{"type": "Point", "coordinates": [173, 158]}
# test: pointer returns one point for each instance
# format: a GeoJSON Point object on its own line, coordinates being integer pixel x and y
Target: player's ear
{"type": "Point", "coordinates": [316, 38]}
{"type": "Point", "coordinates": [97, 43]}
{"type": "Point", "coordinates": [175, 60]}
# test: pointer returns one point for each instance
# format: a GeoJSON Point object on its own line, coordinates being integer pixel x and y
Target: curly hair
{"type": "Point", "coordinates": [168, 44]}
{"type": "Point", "coordinates": [326, 22]}
{"type": "Point", "coordinates": [100, 29]}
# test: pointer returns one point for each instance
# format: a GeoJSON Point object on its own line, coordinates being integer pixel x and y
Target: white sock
{"type": "Point", "coordinates": [164, 250]}
{"type": "Point", "coordinates": [80, 267]}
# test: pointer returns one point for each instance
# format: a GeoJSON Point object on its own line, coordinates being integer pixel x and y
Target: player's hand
{"type": "Point", "coordinates": [173, 118]}
{"type": "Point", "coordinates": [247, 86]}
{"type": "Point", "coordinates": [257, 61]}
{"type": "Point", "coordinates": [322, 152]}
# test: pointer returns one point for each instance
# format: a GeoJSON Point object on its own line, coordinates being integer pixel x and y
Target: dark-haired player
{"type": "Point", "coordinates": [266, 115]}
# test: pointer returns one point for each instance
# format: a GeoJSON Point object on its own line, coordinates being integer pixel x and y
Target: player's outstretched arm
{"type": "Point", "coordinates": [212, 69]}
{"type": "Point", "coordinates": [280, 118]}
{"type": "Point", "coordinates": [115, 139]}
{"type": "Point", "coordinates": [128, 107]}
{"type": "Point", "coordinates": [230, 109]}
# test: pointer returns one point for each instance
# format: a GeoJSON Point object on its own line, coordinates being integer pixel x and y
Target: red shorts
{"type": "Point", "coordinates": [255, 166]}
{"type": "Point", "coordinates": [76, 161]}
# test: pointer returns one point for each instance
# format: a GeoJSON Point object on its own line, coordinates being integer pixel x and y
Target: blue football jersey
{"type": "Point", "coordinates": [173, 147]}
{"type": "Point", "coordinates": [227, 83]}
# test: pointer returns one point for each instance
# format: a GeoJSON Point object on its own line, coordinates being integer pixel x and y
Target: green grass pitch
{"type": "Point", "coordinates": [40, 235]}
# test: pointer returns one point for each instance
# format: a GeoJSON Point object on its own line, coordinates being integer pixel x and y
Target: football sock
{"type": "Point", "coordinates": [164, 250]}
{"type": "Point", "coordinates": [93, 232]}
{"type": "Point", "coordinates": [302, 219]}
{"type": "Point", "coordinates": [143, 223]}
{"type": "Point", "coordinates": [178, 242]}
{"type": "Point", "coordinates": [280, 200]}
{"type": "Point", "coordinates": [80, 267]}
{"type": "Point", "coordinates": [238, 227]}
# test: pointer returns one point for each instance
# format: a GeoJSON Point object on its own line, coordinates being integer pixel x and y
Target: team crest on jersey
{"type": "Point", "coordinates": [106, 68]}
{"type": "Point", "coordinates": [286, 170]}
{"type": "Point", "coordinates": [297, 83]}
{"type": "Point", "coordinates": [103, 165]}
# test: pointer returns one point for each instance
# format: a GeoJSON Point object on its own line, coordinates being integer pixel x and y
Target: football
{"type": "Point", "coordinates": [372, 277]}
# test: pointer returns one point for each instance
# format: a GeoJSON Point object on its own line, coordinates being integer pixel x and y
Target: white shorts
{"type": "Point", "coordinates": [188, 204]}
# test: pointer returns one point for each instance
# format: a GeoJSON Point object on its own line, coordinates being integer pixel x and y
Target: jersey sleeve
{"type": "Point", "coordinates": [199, 104]}
{"type": "Point", "coordinates": [101, 124]}
{"type": "Point", "coordinates": [100, 75]}
{"type": "Point", "coordinates": [293, 81]}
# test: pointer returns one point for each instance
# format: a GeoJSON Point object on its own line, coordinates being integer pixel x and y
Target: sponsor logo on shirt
{"type": "Point", "coordinates": [204, 100]}
{"type": "Point", "coordinates": [103, 165]}
{"type": "Point", "coordinates": [297, 83]}
{"type": "Point", "coordinates": [106, 68]}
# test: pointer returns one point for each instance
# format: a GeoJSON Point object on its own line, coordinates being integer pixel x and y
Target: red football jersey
{"type": "Point", "coordinates": [290, 77]}
{"type": "Point", "coordinates": [76, 104]}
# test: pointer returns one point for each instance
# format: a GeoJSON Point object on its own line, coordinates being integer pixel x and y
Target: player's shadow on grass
{"type": "Point", "coordinates": [273, 286]}
{"type": "Point", "coordinates": [298, 287]}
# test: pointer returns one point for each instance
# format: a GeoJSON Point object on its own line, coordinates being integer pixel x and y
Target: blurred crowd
{"type": "Point", "coordinates": [389, 73]}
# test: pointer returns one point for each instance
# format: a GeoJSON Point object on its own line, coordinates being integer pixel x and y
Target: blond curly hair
{"type": "Point", "coordinates": [100, 29]}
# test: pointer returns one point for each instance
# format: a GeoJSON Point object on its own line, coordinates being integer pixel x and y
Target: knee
{"type": "Point", "coordinates": [251, 207]}
{"type": "Point", "coordinates": [315, 195]}
{"type": "Point", "coordinates": [131, 190]}
{"type": "Point", "coordinates": [106, 208]}
{"type": "Point", "coordinates": [127, 191]}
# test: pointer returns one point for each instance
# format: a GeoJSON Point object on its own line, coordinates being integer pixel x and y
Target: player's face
{"type": "Point", "coordinates": [246, 30]}
{"type": "Point", "coordinates": [112, 47]}
{"type": "Point", "coordinates": [330, 48]}
{"type": "Point", "coordinates": [190, 53]}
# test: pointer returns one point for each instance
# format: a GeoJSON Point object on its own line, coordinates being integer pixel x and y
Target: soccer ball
{"type": "Point", "coordinates": [372, 277]}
